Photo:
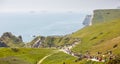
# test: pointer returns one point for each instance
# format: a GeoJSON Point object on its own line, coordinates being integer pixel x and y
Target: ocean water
{"type": "Point", "coordinates": [45, 24]}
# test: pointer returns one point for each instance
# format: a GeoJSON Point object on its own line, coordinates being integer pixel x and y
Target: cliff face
{"type": "Point", "coordinates": [36, 42]}
{"type": "Point", "coordinates": [88, 20]}
{"type": "Point", "coordinates": [102, 15]}
{"type": "Point", "coordinates": [9, 40]}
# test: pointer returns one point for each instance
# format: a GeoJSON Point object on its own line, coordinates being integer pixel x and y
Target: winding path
{"type": "Point", "coordinates": [65, 49]}
{"type": "Point", "coordinates": [43, 59]}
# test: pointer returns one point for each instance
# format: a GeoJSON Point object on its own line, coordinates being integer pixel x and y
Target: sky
{"type": "Point", "coordinates": [56, 5]}
{"type": "Point", "coordinates": [47, 17]}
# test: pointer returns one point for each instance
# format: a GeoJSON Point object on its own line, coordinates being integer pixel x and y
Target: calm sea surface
{"type": "Point", "coordinates": [46, 24]}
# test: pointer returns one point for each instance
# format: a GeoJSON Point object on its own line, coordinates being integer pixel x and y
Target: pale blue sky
{"type": "Point", "coordinates": [56, 5]}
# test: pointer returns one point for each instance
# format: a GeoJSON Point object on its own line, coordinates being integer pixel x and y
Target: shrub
{"type": "Point", "coordinates": [15, 49]}
{"type": "Point", "coordinates": [115, 45]}
{"type": "Point", "coordinates": [93, 38]}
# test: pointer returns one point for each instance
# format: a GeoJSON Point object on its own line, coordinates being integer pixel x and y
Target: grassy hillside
{"type": "Point", "coordinates": [99, 37]}
{"type": "Point", "coordinates": [63, 58]}
{"type": "Point", "coordinates": [105, 15]}
{"type": "Point", "coordinates": [23, 55]}
{"type": "Point", "coordinates": [59, 58]}
{"type": "Point", "coordinates": [105, 30]}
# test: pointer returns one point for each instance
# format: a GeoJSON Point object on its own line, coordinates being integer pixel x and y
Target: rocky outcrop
{"type": "Point", "coordinates": [8, 39]}
{"type": "Point", "coordinates": [9, 35]}
{"type": "Point", "coordinates": [2, 44]}
{"type": "Point", "coordinates": [20, 38]}
{"type": "Point", "coordinates": [51, 41]}
{"type": "Point", "coordinates": [37, 44]}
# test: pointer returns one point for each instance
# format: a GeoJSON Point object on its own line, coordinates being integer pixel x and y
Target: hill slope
{"type": "Point", "coordinates": [23, 55]}
{"type": "Point", "coordinates": [101, 37]}
{"type": "Point", "coordinates": [98, 36]}
{"type": "Point", "coordinates": [51, 41]}
{"type": "Point", "coordinates": [105, 15]}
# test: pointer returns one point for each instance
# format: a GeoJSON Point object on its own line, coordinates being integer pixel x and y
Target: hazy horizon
{"type": "Point", "coordinates": [8, 6]}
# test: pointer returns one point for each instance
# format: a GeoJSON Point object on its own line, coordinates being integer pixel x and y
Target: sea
{"type": "Point", "coordinates": [44, 24]}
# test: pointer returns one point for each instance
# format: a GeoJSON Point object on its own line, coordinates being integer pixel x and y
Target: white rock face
{"type": "Point", "coordinates": [37, 44]}
{"type": "Point", "coordinates": [88, 20]}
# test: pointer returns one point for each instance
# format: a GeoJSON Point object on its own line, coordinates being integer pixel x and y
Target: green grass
{"type": "Point", "coordinates": [97, 37]}
{"type": "Point", "coordinates": [59, 58]}
{"type": "Point", "coordinates": [105, 15]}
{"type": "Point", "coordinates": [32, 56]}
{"type": "Point", "coordinates": [101, 36]}
{"type": "Point", "coordinates": [23, 55]}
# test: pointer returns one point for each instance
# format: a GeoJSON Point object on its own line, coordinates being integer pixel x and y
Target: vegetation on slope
{"type": "Point", "coordinates": [23, 55]}
{"type": "Point", "coordinates": [53, 41]}
{"type": "Point", "coordinates": [59, 58]}
{"type": "Point", "coordinates": [10, 40]}
{"type": "Point", "coordinates": [63, 58]}
{"type": "Point", "coordinates": [99, 37]}
{"type": "Point", "coordinates": [105, 15]}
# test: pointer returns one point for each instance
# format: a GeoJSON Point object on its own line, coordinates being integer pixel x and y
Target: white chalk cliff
{"type": "Point", "coordinates": [88, 20]}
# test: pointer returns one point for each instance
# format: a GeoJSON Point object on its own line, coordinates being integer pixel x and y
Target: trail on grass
{"type": "Point", "coordinates": [43, 59]}
{"type": "Point", "coordinates": [40, 61]}
{"type": "Point", "coordinates": [65, 49]}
